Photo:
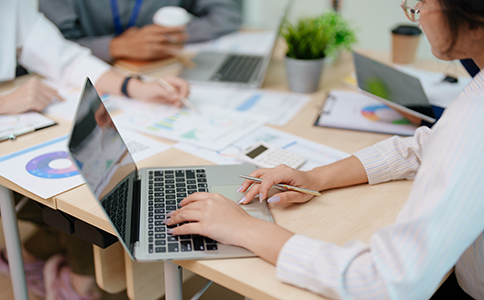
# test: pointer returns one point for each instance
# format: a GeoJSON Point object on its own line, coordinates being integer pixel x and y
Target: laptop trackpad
{"type": "Point", "coordinates": [254, 208]}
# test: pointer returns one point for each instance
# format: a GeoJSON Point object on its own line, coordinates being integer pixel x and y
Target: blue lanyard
{"type": "Point", "coordinates": [118, 27]}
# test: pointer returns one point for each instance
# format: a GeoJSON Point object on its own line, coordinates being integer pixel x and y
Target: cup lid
{"type": "Point", "coordinates": [171, 16]}
{"type": "Point", "coordinates": [407, 30]}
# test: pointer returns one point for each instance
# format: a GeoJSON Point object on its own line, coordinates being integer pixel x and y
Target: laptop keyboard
{"type": "Point", "coordinates": [237, 68]}
{"type": "Point", "coordinates": [115, 206]}
{"type": "Point", "coordinates": [167, 188]}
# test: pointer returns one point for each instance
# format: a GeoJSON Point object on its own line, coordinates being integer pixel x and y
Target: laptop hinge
{"type": "Point", "coordinates": [135, 211]}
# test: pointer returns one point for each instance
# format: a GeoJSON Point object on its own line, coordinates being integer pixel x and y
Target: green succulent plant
{"type": "Point", "coordinates": [318, 37]}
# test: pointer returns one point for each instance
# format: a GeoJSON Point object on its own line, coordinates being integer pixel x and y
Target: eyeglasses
{"type": "Point", "coordinates": [411, 10]}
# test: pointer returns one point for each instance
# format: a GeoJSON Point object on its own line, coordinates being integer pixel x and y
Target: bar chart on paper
{"type": "Point", "coordinates": [316, 154]}
{"type": "Point", "coordinates": [215, 129]}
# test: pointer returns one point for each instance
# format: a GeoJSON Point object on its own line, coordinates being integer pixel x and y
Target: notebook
{"type": "Point", "coordinates": [232, 69]}
{"type": "Point", "coordinates": [136, 201]}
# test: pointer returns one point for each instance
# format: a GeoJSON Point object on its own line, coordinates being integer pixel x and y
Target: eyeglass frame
{"type": "Point", "coordinates": [413, 11]}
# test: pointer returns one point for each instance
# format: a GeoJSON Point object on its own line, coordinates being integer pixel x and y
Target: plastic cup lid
{"type": "Point", "coordinates": [171, 16]}
{"type": "Point", "coordinates": [407, 30]}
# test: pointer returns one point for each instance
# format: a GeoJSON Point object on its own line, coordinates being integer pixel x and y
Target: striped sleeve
{"type": "Point", "coordinates": [441, 224]}
{"type": "Point", "coordinates": [395, 158]}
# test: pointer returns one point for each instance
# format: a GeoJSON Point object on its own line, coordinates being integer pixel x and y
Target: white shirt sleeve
{"type": "Point", "coordinates": [43, 50]}
{"type": "Point", "coordinates": [442, 219]}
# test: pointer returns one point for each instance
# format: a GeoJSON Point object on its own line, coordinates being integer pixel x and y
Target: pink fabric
{"type": "Point", "coordinates": [57, 281]}
{"type": "Point", "coordinates": [34, 273]}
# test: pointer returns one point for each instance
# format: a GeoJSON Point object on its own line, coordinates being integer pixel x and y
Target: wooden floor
{"type": "Point", "coordinates": [189, 288]}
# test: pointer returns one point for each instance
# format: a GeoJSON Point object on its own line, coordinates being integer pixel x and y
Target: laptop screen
{"type": "Point", "coordinates": [103, 160]}
{"type": "Point", "coordinates": [392, 85]}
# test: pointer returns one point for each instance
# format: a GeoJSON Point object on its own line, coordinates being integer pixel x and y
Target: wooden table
{"type": "Point", "coordinates": [337, 216]}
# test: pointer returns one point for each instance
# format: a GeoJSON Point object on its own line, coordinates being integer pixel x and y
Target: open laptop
{"type": "Point", "coordinates": [136, 201]}
{"type": "Point", "coordinates": [392, 87]}
{"type": "Point", "coordinates": [232, 69]}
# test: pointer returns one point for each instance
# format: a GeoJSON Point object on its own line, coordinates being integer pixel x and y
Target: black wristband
{"type": "Point", "coordinates": [124, 86]}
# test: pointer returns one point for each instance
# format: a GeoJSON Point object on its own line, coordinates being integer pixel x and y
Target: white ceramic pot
{"type": "Point", "coordinates": [303, 75]}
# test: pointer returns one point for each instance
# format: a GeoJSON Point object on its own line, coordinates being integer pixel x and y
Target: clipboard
{"type": "Point", "coordinates": [15, 125]}
{"type": "Point", "coordinates": [355, 111]}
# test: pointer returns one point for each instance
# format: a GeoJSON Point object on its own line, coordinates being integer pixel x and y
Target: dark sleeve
{"type": "Point", "coordinates": [213, 18]}
{"type": "Point", "coordinates": [470, 66]}
{"type": "Point", "coordinates": [67, 17]}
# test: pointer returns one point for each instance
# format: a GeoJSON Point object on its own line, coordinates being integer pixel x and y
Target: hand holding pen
{"type": "Point", "coordinates": [289, 181]}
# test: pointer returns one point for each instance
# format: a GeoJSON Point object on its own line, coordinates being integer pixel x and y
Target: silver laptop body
{"type": "Point", "coordinates": [136, 201]}
{"type": "Point", "coordinates": [233, 70]}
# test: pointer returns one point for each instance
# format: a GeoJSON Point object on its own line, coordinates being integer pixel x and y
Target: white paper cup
{"type": "Point", "coordinates": [171, 16]}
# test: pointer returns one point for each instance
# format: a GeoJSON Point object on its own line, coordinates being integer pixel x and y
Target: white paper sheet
{"type": "Point", "coordinates": [279, 107]}
{"type": "Point", "coordinates": [316, 154]}
{"type": "Point", "coordinates": [356, 111]}
{"type": "Point", "coordinates": [215, 129]}
{"type": "Point", "coordinates": [44, 169]}
{"type": "Point", "coordinates": [141, 147]}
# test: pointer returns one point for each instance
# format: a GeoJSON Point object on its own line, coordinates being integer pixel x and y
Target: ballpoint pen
{"type": "Point", "coordinates": [183, 99]}
{"type": "Point", "coordinates": [283, 187]}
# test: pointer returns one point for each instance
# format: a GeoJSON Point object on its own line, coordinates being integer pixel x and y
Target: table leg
{"type": "Point", "coordinates": [12, 241]}
{"type": "Point", "coordinates": [173, 281]}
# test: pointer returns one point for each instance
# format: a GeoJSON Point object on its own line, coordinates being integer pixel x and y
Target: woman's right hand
{"type": "Point", "coordinates": [279, 174]}
{"type": "Point", "coordinates": [33, 95]}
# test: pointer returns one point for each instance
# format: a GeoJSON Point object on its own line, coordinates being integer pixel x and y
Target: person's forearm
{"type": "Point", "coordinates": [110, 83]}
{"type": "Point", "coordinates": [265, 239]}
{"type": "Point", "coordinates": [346, 172]}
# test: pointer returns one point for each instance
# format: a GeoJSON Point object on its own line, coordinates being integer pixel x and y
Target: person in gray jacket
{"type": "Point", "coordinates": [115, 29]}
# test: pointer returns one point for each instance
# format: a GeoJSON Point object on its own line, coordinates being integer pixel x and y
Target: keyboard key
{"type": "Point", "coordinates": [180, 173]}
{"type": "Point", "coordinates": [170, 207]}
{"type": "Point", "coordinates": [158, 173]}
{"type": "Point", "coordinates": [160, 229]}
{"type": "Point", "coordinates": [190, 174]}
{"type": "Point", "coordinates": [201, 180]}
{"type": "Point", "coordinates": [202, 190]}
{"type": "Point", "coordinates": [211, 247]}
{"type": "Point", "coordinates": [150, 248]}
{"type": "Point", "coordinates": [150, 233]}
{"type": "Point", "coordinates": [150, 226]}
{"type": "Point", "coordinates": [160, 243]}
{"type": "Point", "coordinates": [198, 243]}
{"type": "Point", "coordinates": [186, 246]}
{"type": "Point", "coordinates": [181, 190]}
{"type": "Point", "coordinates": [181, 195]}
{"type": "Point", "coordinates": [169, 172]}
{"type": "Point", "coordinates": [180, 180]}
{"type": "Point", "coordinates": [169, 192]}
{"type": "Point", "coordinates": [169, 176]}
{"type": "Point", "coordinates": [159, 211]}
{"type": "Point", "coordinates": [159, 184]}
{"type": "Point", "coordinates": [169, 181]}
{"type": "Point", "coordinates": [159, 205]}
{"type": "Point", "coordinates": [170, 202]}
{"type": "Point", "coordinates": [172, 247]}
{"type": "Point", "coordinates": [185, 237]}
{"type": "Point", "coordinates": [159, 223]}
{"type": "Point", "coordinates": [200, 171]}
{"type": "Point", "coordinates": [191, 192]}
{"type": "Point", "coordinates": [172, 238]}
{"type": "Point", "coordinates": [150, 239]}
{"type": "Point", "coordinates": [172, 196]}
{"type": "Point", "coordinates": [201, 175]}
{"type": "Point", "coordinates": [191, 181]}
{"type": "Point", "coordinates": [170, 186]}
{"type": "Point", "coordinates": [160, 236]}
{"type": "Point", "coordinates": [161, 249]}
{"type": "Point", "coordinates": [180, 185]}
{"type": "Point", "coordinates": [209, 241]}
{"type": "Point", "coordinates": [159, 189]}
{"type": "Point", "coordinates": [159, 194]}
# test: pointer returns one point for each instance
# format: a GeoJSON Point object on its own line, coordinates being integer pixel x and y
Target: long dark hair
{"type": "Point", "coordinates": [462, 14]}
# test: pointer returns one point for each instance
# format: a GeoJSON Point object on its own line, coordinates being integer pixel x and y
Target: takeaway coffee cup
{"type": "Point", "coordinates": [171, 16]}
{"type": "Point", "coordinates": [404, 43]}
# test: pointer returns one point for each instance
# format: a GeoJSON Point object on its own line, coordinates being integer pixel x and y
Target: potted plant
{"type": "Point", "coordinates": [309, 41]}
